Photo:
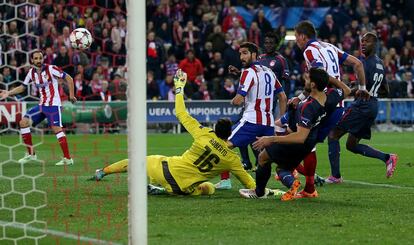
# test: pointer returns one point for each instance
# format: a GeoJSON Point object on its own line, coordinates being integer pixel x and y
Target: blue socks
{"type": "Point", "coordinates": [286, 177]}
{"type": "Point", "coordinates": [244, 153]}
{"type": "Point", "coordinates": [368, 151]}
{"type": "Point", "coordinates": [334, 156]}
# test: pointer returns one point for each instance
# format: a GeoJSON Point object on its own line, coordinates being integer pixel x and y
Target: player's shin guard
{"type": "Point", "coordinates": [27, 139]}
{"type": "Point", "coordinates": [301, 169]}
{"type": "Point", "coordinates": [334, 157]}
{"type": "Point", "coordinates": [310, 167]}
{"type": "Point", "coordinates": [63, 144]}
{"type": "Point", "coordinates": [225, 175]}
{"type": "Point", "coordinates": [117, 167]}
{"type": "Point", "coordinates": [263, 174]}
{"type": "Point", "coordinates": [285, 176]}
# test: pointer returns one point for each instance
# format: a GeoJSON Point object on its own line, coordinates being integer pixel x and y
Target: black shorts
{"type": "Point", "coordinates": [288, 156]}
{"type": "Point", "coordinates": [359, 117]}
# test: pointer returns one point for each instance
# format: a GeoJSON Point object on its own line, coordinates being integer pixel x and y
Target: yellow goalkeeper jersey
{"type": "Point", "coordinates": [207, 157]}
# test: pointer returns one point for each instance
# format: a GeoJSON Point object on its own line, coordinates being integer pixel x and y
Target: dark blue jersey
{"type": "Point", "coordinates": [333, 97]}
{"type": "Point", "coordinates": [374, 74]}
{"type": "Point", "coordinates": [278, 65]}
{"type": "Point", "coordinates": [308, 114]}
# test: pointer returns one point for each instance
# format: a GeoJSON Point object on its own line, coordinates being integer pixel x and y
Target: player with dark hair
{"type": "Point", "coordinates": [360, 116]}
{"type": "Point", "coordinates": [188, 174]}
{"type": "Point", "coordinates": [277, 63]}
{"type": "Point", "coordinates": [258, 86]}
{"type": "Point", "coordinates": [328, 57]}
{"type": "Point", "coordinates": [46, 78]}
{"type": "Point", "coordinates": [288, 151]}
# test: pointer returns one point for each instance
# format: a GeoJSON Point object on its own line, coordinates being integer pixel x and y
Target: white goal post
{"type": "Point", "coordinates": [137, 136]}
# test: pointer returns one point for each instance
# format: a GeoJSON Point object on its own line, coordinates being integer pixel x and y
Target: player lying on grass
{"type": "Point", "coordinates": [288, 151]}
{"type": "Point", "coordinates": [189, 173]}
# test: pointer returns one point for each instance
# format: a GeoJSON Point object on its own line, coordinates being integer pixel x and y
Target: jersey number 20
{"type": "Point", "coordinates": [205, 162]}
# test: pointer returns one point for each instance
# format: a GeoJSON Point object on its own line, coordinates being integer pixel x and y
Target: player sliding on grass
{"type": "Point", "coordinates": [188, 174]}
{"type": "Point", "coordinates": [45, 77]}
{"type": "Point", "coordinates": [360, 116]}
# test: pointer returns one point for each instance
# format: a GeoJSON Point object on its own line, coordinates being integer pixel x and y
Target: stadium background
{"type": "Point", "coordinates": [173, 28]}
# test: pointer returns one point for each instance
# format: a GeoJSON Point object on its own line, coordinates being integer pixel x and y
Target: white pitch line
{"type": "Point", "coordinates": [57, 233]}
{"type": "Point", "coordinates": [378, 185]}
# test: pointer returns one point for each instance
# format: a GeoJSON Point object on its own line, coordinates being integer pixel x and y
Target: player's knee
{"type": "Point", "coordinates": [24, 123]}
{"type": "Point", "coordinates": [350, 146]}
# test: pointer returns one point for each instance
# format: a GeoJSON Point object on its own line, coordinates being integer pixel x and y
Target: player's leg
{"type": "Point", "coordinates": [32, 117]}
{"type": "Point", "coordinates": [117, 167]}
{"type": "Point", "coordinates": [335, 151]}
{"type": "Point", "coordinates": [390, 160]}
{"type": "Point", "coordinates": [244, 153]}
{"type": "Point", "coordinates": [54, 118]}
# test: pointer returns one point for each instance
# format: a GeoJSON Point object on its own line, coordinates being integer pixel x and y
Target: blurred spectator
{"type": "Point", "coordinates": [191, 36]}
{"type": "Point", "coordinates": [263, 24]}
{"type": "Point", "coordinates": [207, 53]}
{"type": "Point", "coordinates": [171, 66]}
{"type": "Point", "coordinates": [166, 87]}
{"type": "Point", "coordinates": [232, 17]}
{"type": "Point", "coordinates": [328, 28]}
{"type": "Point", "coordinates": [153, 91]}
{"type": "Point", "coordinates": [105, 92]}
{"type": "Point", "coordinates": [229, 90]}
{"type": "Point", "coordinates": [205, 27]}
{"type": "Point", "coordinates": [214, 74]}
{"type": "Point", "coordinates": [217, 38]}
{"type": "Point", "coordinates": [193, 67]}
{"type": "Point", "coordinates": [202, 93]}
{"type": "Point", "coordinates": [155, 55]}
{"type": "Point", "coordinates": [410, 84]}
{"type": "Point", "coordinates": [255, 35]}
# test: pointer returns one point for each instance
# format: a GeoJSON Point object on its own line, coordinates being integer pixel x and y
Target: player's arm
{"type": "Point", "coordinates": [341, 85]}
{"type": "Point", "coordinates": [245, 178]}
{"type": "Point", "coordinates": [189, 123]}
{"type": "Point", "coordinates": [297, 137]}
{"type": "Point", "coordinates": [17, 90]}
{"type": "Point", "coordinates": [246, 82]}
{"type": "Point", "coordinates": [282, 98]}
{"type": "Point", "coordinates": [359, 70]}
{"type": "Point", "coordinates": [57, 72]}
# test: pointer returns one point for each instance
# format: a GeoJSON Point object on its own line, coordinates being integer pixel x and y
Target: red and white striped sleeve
{"type": "Point", "coordinates": [29, 77]}
{"type": "Point", "coordinates": [57, 72]}
{"type": "Point", "coordinates": [246, 81]}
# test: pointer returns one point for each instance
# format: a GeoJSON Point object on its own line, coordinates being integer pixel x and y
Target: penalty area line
{"type": "Point", "coordinates": [56, 233]}
{"type": "Point", "coordinates": [378, 185]}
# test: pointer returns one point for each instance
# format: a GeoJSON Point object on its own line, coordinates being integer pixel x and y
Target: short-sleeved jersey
{"type": "Point", "coordinates": [324, 55]}
{"type": "Point", "coordinates": [258, 84]}
{"type": "Point", "coordinates": [308, 114]}
{"type": "Point", "coordinates": [278, 65]}
{"type": "Point", "coordinates": [374, 74]}
{"type": "Point", "coordinates": [47, 83]}
{"type": "Point", "coordinates": [207, 157]}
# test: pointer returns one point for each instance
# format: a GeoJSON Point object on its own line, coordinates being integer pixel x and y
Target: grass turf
{"type": "Point", "coordinates": [378, 210]}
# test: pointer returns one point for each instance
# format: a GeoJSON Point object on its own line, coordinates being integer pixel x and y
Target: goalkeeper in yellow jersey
{"type": "Point", "coordinates": [189, 173]}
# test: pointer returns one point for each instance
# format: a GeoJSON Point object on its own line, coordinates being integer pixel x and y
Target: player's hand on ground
{"type": "Point", "coordinates": [262, 142]}
{"type": "Point", "coordinates": [73, 99]}
{"type": "Point", "coordinates": [293, 102]}
{"type": "Point", "coordinates": [4, 94]}
{"type": "Point", "coordinates": [180, 79]}
{"type": "Point", "coordinates": [233, 70]}
{"type": "Point", "coordinates": [363, 94]}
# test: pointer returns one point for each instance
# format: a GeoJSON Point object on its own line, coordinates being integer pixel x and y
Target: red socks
{"type": "Point", "coordinates": [225, 175]}
{"type": "Point", "coordinates": [63, 144]}
{"type": "Point", "coordinates": [310, 167]}
{"type": "Point", "coordinates": [27, 139]}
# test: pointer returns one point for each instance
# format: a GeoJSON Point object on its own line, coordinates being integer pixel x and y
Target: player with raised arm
{"type": "Point", "coordinates": [258, 85]}
{"type": "Point", "coordinates": [328, 57]}
{"type": "Point", "coordinates": [189, 173]}
{"type": "Point", "coordinates": [360, 116]}
{"type": "Point", "coordinates": [45, 77]}
{"type": "Point", "coordinates": [277, 63]}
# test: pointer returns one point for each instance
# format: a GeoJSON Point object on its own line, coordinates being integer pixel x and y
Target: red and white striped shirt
{"type": "Point", "coordinates": [258, 85]}
{"type": "Point", "coordinates": [47, 83]}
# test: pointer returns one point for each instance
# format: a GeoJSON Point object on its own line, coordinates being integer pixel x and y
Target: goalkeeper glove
{"type": "Point", "coordinates": [180, 79]}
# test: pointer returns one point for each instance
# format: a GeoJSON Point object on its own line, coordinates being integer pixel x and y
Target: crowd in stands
{"type": "Point", "coordinates": [202, 38]}
{"type": "Point", "coordinates": [99, 73]}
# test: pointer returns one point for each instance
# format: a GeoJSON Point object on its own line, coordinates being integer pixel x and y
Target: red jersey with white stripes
{"type": "Point", "coordinates": [324, 55]}
{"type": "Point", "coordinates": [258, 84]}
{"type": "Point", "coordinates": [47, 83]}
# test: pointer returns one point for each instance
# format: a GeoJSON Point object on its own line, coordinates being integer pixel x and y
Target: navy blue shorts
{"type": "Point", "coordinates": [330, 123]}
{"type": "Point", "coordinates": [288, 156]}
{"type": "Point", "coordinates": [244, 133]}
{"type": "Point", "coordinates": [359, 117]}
{"type": "Point", "coordinates": [40, 112]}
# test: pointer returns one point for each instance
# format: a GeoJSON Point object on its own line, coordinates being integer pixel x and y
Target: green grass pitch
{"type": "Point", "coordinates": [367, 208]}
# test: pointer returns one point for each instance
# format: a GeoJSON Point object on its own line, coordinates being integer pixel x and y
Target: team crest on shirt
{"type": "Point", "coordinates": [272, 63]}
